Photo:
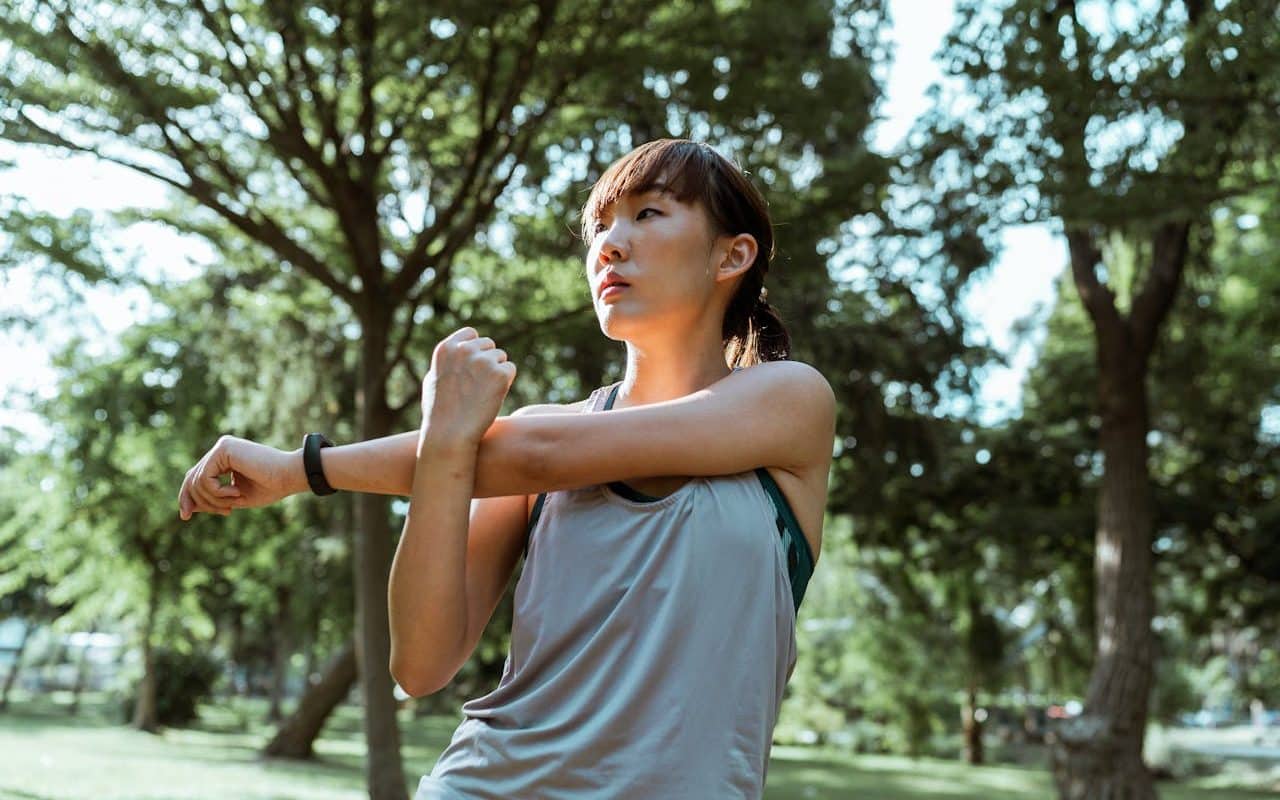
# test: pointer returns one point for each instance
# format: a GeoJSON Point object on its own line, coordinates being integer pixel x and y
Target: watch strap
{"type": "Point", "coordinates": [311, 446]}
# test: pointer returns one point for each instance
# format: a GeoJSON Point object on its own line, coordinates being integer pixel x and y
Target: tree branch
{"type": "Point", "coordinates": [1098, 299]}
{"type": "Point", "coordinates": [367, 31]}
{"type": "Point", "coordinates": [415, 262]}
{"type": "Point", "coordinates": [525, 328]}
{"type": "Point", "coordinates": [1153, 301]}
{"type": "Point", "coordinates": [262, 229]}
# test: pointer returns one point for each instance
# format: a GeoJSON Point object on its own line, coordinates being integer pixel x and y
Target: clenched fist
{"type": "Point", "coordinates": [463, 391]}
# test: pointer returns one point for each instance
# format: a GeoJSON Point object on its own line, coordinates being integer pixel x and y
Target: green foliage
{"type": "Point", "coordinates": [372, 180]}
{"type": "Point", "coordinates": [184, 680]}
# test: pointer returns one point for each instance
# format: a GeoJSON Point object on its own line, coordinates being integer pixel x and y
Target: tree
{"type": "Point", "coordinates": [122, 425]}
{"type": "Point", "coordinates": [1211, 447]}
{"type": "Point", "coordinates": [368, 146]}
{"type": "Point", "coordinates": [294, 365]}
{"type": "Point", "coordinates": [1057, 93]}
{"type": "Point", "coordinates": [24, 585]}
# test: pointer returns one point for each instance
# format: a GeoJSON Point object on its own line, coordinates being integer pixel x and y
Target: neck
{"type": "Point", "coordinates": [664, 368]}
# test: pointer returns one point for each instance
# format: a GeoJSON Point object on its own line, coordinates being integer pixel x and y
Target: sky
{"type": "Point", "coordinates": [1021, 281]}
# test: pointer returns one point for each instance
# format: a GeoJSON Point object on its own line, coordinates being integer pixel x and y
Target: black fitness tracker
{"type": "Point", "coordinates": [311, 444]}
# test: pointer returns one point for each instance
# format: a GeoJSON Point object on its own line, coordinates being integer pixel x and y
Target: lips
{"type": "Point", "coordinates": [610, 282]}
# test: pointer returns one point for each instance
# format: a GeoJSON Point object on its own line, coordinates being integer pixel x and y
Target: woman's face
{"type": "Point", "coordinates": [664, 251]}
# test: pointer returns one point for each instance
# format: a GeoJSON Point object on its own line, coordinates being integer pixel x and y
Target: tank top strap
{"type": "Point", "coordinates": [609, 395]}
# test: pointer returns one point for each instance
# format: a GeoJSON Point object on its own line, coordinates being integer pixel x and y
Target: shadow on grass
{"type": "Point", "coordinates": [18, 794]}
{"type": "Point", "coordinates": [797, 774]}
{"type": "Point", "coordinates": [221, 754]}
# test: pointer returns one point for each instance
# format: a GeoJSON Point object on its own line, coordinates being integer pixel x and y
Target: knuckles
{"type": "Point", "coordinates": [465, 352]}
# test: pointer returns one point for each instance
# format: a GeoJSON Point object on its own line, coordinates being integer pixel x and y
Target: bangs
{"type": "Point", "coordinates": [680, 167]}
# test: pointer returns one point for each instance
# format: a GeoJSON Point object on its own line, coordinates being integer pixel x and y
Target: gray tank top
{"type": "Point", "coordinates": [651, 645]}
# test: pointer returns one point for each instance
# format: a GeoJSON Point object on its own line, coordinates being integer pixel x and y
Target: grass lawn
{"type": "Point", "coordinates": [47, 755]}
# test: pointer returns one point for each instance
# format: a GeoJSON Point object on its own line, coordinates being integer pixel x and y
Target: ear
{"type": "Point", "coordinates": [737, 254]}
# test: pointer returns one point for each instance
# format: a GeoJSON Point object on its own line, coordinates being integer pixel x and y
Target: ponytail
{"type": "Point", "coordinates": [755, 335]}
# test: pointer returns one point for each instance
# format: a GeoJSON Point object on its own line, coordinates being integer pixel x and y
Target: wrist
{"type": "Point", "coordinates": [296, 473]}
{"type": "Point", "coordinates": [435, 444]}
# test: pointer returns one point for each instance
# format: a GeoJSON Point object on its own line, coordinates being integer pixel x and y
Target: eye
{"type": "Point", "coordinates": [601, 227]}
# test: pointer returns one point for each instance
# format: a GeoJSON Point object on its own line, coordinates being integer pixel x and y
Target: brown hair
{"type": "Point", "coordinates": [753, 331]}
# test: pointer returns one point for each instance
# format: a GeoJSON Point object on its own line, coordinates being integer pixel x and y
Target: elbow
{"type": "Point", "coordinates": [419, 677]}
{"type": "Point", "coordinates": [415, 682]}
{"type": "Point", "coordinates": [417, 692]}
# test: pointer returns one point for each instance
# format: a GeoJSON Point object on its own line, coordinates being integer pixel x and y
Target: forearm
{"type": "Point", "coordinates": [378, 466]}
{"type": "Point", "coordinates": [386, 465]}
{"type": "Point", "coordinates": [426, 595]}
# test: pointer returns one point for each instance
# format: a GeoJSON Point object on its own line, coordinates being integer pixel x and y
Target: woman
{"type": "Point", "coordinates": [669, 522]}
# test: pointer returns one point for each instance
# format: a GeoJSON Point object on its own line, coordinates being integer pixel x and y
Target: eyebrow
{"type": "Point", "coordinates": [658, 188]}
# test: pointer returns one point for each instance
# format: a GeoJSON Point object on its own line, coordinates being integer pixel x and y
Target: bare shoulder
{"type": "Point", "coordinates": [804, 395]}
{"type": "Point", "coordinates": [794, 380]}
{"type": "Point", "coordinates": [810, 406]}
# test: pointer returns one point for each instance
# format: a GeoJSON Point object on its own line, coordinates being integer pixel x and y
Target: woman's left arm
{"type": "Point", "coordinates": [776, 414]}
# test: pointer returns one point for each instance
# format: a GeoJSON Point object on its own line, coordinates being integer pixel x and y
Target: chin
{"type": "Point", "coordinates": [614, 325]}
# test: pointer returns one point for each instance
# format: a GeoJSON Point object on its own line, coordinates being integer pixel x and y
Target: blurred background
{"type": "Point", "coordinates": [1032, 244]}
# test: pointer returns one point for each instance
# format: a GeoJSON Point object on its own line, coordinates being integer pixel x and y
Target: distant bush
{"type": "Point", "coordinates": [183, 681]}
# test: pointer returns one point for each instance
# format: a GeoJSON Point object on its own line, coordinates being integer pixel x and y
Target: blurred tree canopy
{"type": "Point", "coordinates": [1124, 124]}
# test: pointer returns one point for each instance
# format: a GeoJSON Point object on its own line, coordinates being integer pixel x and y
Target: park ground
{"type": "Point", "coordinates": [45, 754]}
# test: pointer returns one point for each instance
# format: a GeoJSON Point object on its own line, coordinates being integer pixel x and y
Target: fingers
{"type": "Point", "coordinates": [200, 488]}
{"type": "Point", "coordinates": [462, 344]}
{"type": "Point", "coordinates": [189, 506]}
{"type": "Point", "coordinates": [454, 340]}
{"type": "Point", "coordinates": [183, 504]}
{"type": "Point", "coordinates": [502, 366]}
{"type": "Point", "coordinates": [202, 491]}
{"type": "Point", "coordinates": [461, 335]}
{"type": "Point", "coordinates": [208, 496]}
{"type": "Point", "coordinates": [477, 344]}
{"type": "Point", "coordinates": [508, 368]}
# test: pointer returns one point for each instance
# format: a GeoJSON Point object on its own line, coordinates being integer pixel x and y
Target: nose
{"type": "Point", "coordinates": [612, 248]}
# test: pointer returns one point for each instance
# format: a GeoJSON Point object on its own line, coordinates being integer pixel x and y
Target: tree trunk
{"type": "Point", "coordinates": [280, 654]}
{"type": "Point", "coordinates": [239, 674]}
{"type": "Point", "coordinates": [372, 564]}
{"type": "Point", "coordinates": [296, 736]}
{"type": "Point", "coordinates": [145, 713]}
{"type": "Point", "coordinates": [972, 726]}
{"type": "Point", "coordinates": [312, 608]}
{"type": "Point", "coordinates": [1098, 755]}
{"type": "Point", "coordinates": [82, 669]}
{"type": "Point", "coordinates": [12, 677]}
{"type": "Point", "coordinates": [309, 668]}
